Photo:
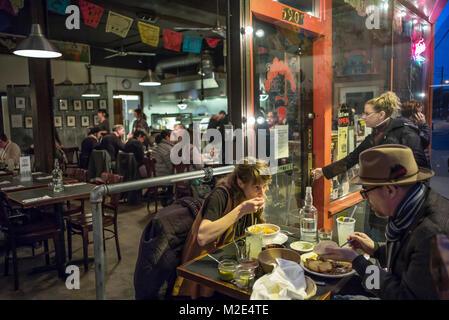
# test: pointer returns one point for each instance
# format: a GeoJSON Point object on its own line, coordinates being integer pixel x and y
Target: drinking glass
{"type": "Point", "coordinates": [324, 234]}
{"type": "Point", "coordinates": [345, 226]}
{"type": "Point", "coordinates": [253, 242]}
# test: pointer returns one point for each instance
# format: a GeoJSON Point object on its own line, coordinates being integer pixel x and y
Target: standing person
{"type": "Point", "coordinates": [164, 166]}
{"type": "Point", "coordinates": [89, 143]}
{"type": "Point", "coordinates": [141, 121]}
{"type": "Point", "coordinates": [104, 122]}
{"type": "Point", "coordinates": [412, 110]}
{"type": "Point", "coordinates": [112, 142]}
{"type": "Point", "coordinates": [394, 187]}
{"type": "Point", "coordinates": [9, 151]}
{"type": "Point", "coordinates": [235, 204]}
{"type": "Point", "coordinates": [135, 146]}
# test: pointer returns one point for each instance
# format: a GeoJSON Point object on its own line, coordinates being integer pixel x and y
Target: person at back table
{"type": "Point", "coordinates": [164, 166]}
{"type": "Point", "coordinates": [394, 187]}
{"type": "Point", "coordinates": [112, 142]}
{"type": "Point", "coordinates": [135, 146]}
{"type": "Point", "coordinates": [104, 122]}
{"type": "Point", "coordinates": [141, 121]}
{"type": "Point", "coordinates": [8, 150]}
{"type": "Point", "coordinates": [89, 143]}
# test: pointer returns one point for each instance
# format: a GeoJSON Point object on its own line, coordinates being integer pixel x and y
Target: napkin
{"type": "Point", "coordinates": [286, 282]}
{"type": "Point", "coordinates": [36, 199]}
{"type": "Point", "coordinates": [75, 184]}
{"type": "Point", "coordinates": [43, 178]}
{"type": "Point", "coordinates": [5, 182]}
{"type": "Point", "coordinates": [12, 187]}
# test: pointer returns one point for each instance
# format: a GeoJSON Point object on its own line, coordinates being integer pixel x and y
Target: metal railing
{"type": "Point", "coordinates": [96, 198]}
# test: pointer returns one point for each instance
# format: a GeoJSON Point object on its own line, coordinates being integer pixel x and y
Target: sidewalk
{"type": "Point", "coordinates": [439, 157]}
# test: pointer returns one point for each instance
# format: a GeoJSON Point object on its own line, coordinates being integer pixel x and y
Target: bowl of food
{"type": "Point", "coordinates": [268, 256]}
{"type": "Point", "coordinates": [302, 246]}
{"type": "Point", "coordinates": [269, 231]}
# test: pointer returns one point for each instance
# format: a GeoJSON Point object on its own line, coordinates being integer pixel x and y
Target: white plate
{"type": "Point", "coordinates": [279, 239]}
{"type": "Point", "coordinates": [297, 245]}
{"type": "Point", "coordinates": [311, 255]}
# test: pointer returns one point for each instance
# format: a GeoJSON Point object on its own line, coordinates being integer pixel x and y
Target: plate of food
{"type": "Point", "coordinates": [326, 268]}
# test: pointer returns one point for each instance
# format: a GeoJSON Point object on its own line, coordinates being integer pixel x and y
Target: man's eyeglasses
{"type": "Point", "coordinates": [366, 114]}
{"type": "Point", "coordinates": [364, 192]}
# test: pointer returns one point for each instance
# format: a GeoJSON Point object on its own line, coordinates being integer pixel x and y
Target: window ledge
{"type": "Point", "coordinates": [343, 203]}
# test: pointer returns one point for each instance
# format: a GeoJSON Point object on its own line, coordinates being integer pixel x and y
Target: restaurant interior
{"type": "Point", "coordinates": [303, 67]}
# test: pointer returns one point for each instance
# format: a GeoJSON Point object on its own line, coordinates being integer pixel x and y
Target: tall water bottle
{"type": "Point", "coordinates": [308, 218]}
{"type": "Point", "coordinates": [57, 181]}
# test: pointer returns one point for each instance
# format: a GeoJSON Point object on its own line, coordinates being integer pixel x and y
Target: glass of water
{"type": "Point", "coordinates": [324, 234]}
{"type": "Point", "coordinates": [345, 226]}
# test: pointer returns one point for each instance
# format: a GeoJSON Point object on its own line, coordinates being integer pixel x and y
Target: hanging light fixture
{"type": "Point", "coordinates": [182, 105]}
{"type": "Point", "coordinates": [150, 80]}
{"type": "Point", "coordinates": [36, 45]}
{"type": "Point", "coordinates": [91, 91]}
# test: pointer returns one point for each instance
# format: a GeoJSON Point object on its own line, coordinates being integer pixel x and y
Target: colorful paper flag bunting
{"type": "Point", "coordinates": [212, 42]}
{"type": "Point", "coordinates": [148, 33]}
{"type": "Point", "coordinates": [118, 24]}
{"type": "Point", "coordinates": [91, 13]}
{"type": "Point", "coordinates": [58, 6]}
{"type": "Point", "coordinates": [6, 6]}
{"type": "Point", "coordinates": [172, 40]}
{"type": "Point", "coordinates": [192, 44]}
{"type": "Point", "coordinates": [17, 5]}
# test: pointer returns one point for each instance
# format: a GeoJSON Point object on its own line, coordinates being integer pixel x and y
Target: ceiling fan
{"type": "Point", "coordinates": [123, 53]}
{"type": "Point", "coordinates": [218, 29]}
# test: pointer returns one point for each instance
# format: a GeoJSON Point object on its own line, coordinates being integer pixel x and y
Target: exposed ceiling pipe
{"type": "Point", "coordinates": [176, 63]}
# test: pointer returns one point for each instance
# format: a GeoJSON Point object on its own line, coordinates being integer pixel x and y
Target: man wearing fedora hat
{"type": "Point", "coordinates": [393, 186]}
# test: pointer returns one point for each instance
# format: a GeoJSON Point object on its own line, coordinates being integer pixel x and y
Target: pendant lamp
{"type": "Point", "coordinates": [36, 45]}
{"type": "Point", "coordinates": [150, 80]}
{"type": "Point", "coordinates": [91, 91]}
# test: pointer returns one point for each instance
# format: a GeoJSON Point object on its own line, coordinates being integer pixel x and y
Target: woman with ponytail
{"type": "Point", "coordinates": [380, 115]}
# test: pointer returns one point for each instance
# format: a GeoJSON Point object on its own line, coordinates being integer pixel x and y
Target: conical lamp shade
{"type": "Point", "coordinates": [91, 92]}
{"type": "Point", "coordinates": [36, 45]}
{"type": "Point", "coordinates": [150, 80]}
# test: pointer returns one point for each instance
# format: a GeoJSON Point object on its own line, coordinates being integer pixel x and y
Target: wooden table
{"type": "Point", "coordinates": [14, 183]}
{"type": "Point", "coordinates": [204, 270]}
{"type": "Point", "coordinates": [56, 199]}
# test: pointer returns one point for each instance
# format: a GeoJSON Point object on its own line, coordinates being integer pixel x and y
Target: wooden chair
{"type": "Point", "coordinates": [152, 192]}
{"type": "Point", "coordinates": [182, 188]}
{"type": "Point", "coordinates": [72, 155]}
{"type": "Point", "coordinates": [82, 224]}
{"type": "Point", "coordinates": [21, 231]}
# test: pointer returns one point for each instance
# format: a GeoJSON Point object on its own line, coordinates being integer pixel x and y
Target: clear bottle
{"type": "Point", "coordinates": [308, 217]}
{"type": "Point", "coordinates": [57, 181]}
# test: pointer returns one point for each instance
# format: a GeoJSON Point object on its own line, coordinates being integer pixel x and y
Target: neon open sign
{"type": "Point", "coordinates": [418, 48]}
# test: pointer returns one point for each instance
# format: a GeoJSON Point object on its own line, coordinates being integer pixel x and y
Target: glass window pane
{"type": "Point", "coordinates": [309, 6]}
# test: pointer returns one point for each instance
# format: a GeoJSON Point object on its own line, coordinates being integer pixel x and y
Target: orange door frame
{"type": "Point", "coordinates": [271, 11]}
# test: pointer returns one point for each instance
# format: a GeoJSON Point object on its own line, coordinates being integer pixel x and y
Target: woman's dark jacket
{"type": "Point", "coordinates": [397, 131]}
{"type": "Point", "coordinates": [88, 144]}
{"type": "Point", "coordinates": [410, 276]}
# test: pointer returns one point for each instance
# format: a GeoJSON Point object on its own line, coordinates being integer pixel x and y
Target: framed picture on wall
{"type": "Point", "coordinates": [58, 121]}
{"type": "Point", "coordinates": [96, 120]}
{"type": "Point", "coordinates": [16, 121]}
{"type": "Point", "coordinates": [70, 121]}
{"type": "Point", "coordinates": [20, 102]}
{"type": "Point", "coordinates": [77, 106]}
{"type": "Point", "coordinates": [85, 121]}
{"type": "Point", "coordinates": [102, 105]}
{"type": "Point", "coordinates": [63, 105]}
{"type": "Point", "coordinates": [89, 104]}
{"type": "Point", "coordinates": [28, 122]}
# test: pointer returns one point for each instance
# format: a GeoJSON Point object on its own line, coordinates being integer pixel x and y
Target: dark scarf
{"type": "Point", "coordinates": [406, 212]}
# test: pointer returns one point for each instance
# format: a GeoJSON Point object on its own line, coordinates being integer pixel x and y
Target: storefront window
{"type": "Point", "coordinates": [283, 67]}
{"type": "Point", "coordinates": [412, 37]}
{"type": "Point", "coordinates": [361, 61]}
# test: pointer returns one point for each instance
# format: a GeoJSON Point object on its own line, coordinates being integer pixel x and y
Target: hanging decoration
{"type": "Point", "coordinates": [213, 42]}
{"type": "Point", "coordinates": [276, 68]}
{"type": "Point", "coordinates": [58, 6]}
{"type": "Point", "coordinates": [17, 5]}
{"type": "Point", "coordinates": [91, 13]}
{"type": "Point", "coordinates": [172, 40]}
{"type": "Point", "coordinates": [149, 34]}
{"type": "Point", "coordinates": [118, 24]}
{"type": "Point", "coordinates": [192, 44]}
{"type": "Point", "coordinates": [418, 48]}
{"type": "Point", "coordinates": [5, 5]}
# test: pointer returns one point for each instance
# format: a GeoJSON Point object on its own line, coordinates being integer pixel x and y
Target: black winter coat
{"type": "Point", "coordinates": [161, 247]}
{"type": "Point", "coordinates": [399, 131]}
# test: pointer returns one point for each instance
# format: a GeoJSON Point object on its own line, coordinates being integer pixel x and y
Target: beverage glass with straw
{"type": "Point", "coordinates": [345, 226]}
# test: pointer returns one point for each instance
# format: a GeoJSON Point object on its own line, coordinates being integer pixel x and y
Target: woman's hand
{"type": "Point", "coordinates": [362, 241]}
{"type": "Point", "coordinates": [317, 173]}
{"type": "Point", "coordinates": [251, 205]}
{"type": "Point", "coordinates": [420, 118]}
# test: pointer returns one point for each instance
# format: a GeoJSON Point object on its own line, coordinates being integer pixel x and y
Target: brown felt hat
{"type": "Point", "coordinates": [389, 164]}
